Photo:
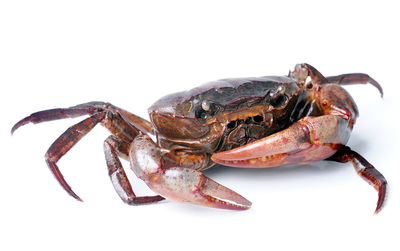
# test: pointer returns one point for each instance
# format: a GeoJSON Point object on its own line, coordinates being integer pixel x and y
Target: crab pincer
{"type": "Point", "coordinates": [180, 184]}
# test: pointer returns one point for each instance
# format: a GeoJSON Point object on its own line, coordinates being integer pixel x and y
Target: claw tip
{"type": "Point", "coordinates": [377, 85]}
{"type": "Point", "coordinates": [19, 124]}
{"type": "Point", "coordinates": [75, 196]}
{"type": "Point", "coordinates": [377, 210]}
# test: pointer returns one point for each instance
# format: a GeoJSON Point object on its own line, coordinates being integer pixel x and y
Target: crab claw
{"type": "Point", "coordinates": [308, 140]}
{"type": "Point", "coordinates": [191, 186]}
{"type": "Point", "coordinates": [180, 184]}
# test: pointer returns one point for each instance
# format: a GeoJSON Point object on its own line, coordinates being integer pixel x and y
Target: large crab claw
{"type": "Point", "coordinates": [180, 184]}
{"type": "Point", "coordinates": [191, 186]}
{"type": "Point", "coordinates": [308, 140]}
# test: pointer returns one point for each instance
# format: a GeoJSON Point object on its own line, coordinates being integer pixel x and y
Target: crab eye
{"type": "Point", "coordinates": [201, 114]}
{"type": "Point", "coordinates": [207, 109]}
{"type": "Point", "coordinates": [205, 105]}
{"type": "Point", "coordinates": [279, 101]}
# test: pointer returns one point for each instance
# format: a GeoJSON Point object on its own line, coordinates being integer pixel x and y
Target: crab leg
{"type": "Point", "coordinates": [302, 71]}
{"type": "Point", "coordinates": [177, 183]}
{"type": "Point", "coordinates": [89, 108]}
{"type": "Point", "coordinates": [64, 143]}
{"type": "Point", "coordinates": [138, 122]}
{"type": "Point", "coordinates": [308, 140]}
{"type": "Point", "coordinates": [118, 176]}
{"type": "Point", "coordinates": [49, 115]}
{"type": "Point", "coordinates": [365, 170]}
{"type": "Point", "coordinates": [354, 78]}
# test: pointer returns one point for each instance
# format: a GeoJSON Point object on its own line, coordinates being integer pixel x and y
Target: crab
{"type": "Point", "coordinates": [257, 122]}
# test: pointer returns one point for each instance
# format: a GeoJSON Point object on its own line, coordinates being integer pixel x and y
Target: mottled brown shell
{"type": "Point", "coordinates": [245, 109]}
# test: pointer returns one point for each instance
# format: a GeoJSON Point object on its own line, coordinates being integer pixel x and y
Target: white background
{"type": "Point", "coordinates": [62, 53]}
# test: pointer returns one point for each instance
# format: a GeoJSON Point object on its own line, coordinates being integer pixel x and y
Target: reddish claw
{"type": "Point", "coordinates": [179, 183]}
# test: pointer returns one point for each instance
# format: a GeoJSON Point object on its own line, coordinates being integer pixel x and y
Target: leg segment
{"type": "Point", "coordinates": [178, 183]}
{"type": "Point", "coordinates": [118, 176]}
{"type": "Point", "coordinates": [85, 109]}
{"type": "Point", "coordinates": [136, 121]}
{"type": "Point", "coordinates": [49, 115]}
{"type": "Point", "coordinates": [121, 147]}
{"type": "Point", "coordinates": [302, 71]}
{"type": "Point", "coordinates": [365, 170]}
{"type": "Point", "coordinates": [354, 78]}
{"type": "Point", "coordinates": [64, 143]}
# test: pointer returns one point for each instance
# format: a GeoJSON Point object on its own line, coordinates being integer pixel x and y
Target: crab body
{"type": "Point", "coordinates": [242, 122]}
{"type": "Point", "coordinates": [238, 111]}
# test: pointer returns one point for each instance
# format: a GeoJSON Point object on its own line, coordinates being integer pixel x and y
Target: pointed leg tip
{"type": "Point", "coordinates": [381, 92]}
{"type": "Point", "coordinates": [20, 123]}
{"type": "Point", "coordinates": [377, 85]}
{"type": "Point", "coordinates": [14, 128]}
{"type": "Point", "coordinates": [378, 209]}
{"type": "Point", "coordinates": [75, 196]}
{"type": "Point", "coordinates": [381, 199]}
